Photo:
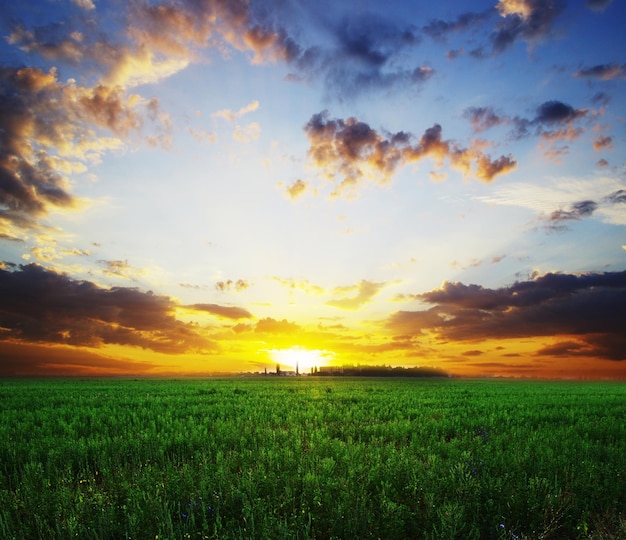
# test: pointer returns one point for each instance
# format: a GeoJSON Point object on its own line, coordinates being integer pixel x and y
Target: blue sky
{"type": "Point", "coordinates": [200, 186]}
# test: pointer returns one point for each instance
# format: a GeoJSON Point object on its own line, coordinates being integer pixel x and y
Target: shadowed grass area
{"type": "Point", "coordinates": [312, 458]}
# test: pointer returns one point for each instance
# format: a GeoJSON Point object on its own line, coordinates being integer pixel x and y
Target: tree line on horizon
{"type": "Point", "coordinates": [367, 371]}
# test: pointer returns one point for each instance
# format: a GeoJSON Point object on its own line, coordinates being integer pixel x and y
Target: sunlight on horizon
{"type": "Point", "coordinates": [302, 358]}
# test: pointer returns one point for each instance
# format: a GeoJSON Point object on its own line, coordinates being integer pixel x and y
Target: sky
{"type": "Point", "coordinates": [209, 186]}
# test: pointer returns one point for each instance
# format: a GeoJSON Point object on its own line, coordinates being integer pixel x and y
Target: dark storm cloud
{"type": "Point", "coordinates": [589, 309]}
{"type": "Point", "coordinates": [41, 306]}
{"type": "Point", "coordinates": [603, 72]}
{"type": "Point", "coordinates": [228, 312]}
{"type": "Point", "coordinates": [352, 149]}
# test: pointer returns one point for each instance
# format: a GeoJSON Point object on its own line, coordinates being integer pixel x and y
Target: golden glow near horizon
{"type": "Point", "coordinates": [301, 358]}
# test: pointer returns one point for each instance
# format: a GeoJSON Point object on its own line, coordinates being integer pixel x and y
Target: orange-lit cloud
{"type": "Point", "coordinates": [352, 150]}
{"type": "Point", "coordinates": [49, 129]}
{"type": "Point", "coordinates": [529, 20]}
{"type": "Point", "coordinates": [603, 142]}
{"type": "Point", "coordinates": [41, 306]}
{"type": "Point", "coordinates": [554, 122]}
{"type": "Point", "coordinates": [32, 359]}
{"type": "Point", "coordinates": [585, 311]}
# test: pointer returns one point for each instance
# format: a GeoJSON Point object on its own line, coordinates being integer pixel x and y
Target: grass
{"type": "Point", "coordinates": [312, 458]}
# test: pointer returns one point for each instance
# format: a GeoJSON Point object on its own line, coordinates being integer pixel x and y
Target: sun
{"type": "Point", "coordinates": [300, 358]}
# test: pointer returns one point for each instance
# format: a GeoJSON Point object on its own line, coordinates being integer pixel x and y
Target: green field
{"type": "Point", "coordinates": [271, 457]}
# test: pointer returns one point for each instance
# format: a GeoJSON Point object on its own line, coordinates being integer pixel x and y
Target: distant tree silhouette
{"type": "Point", "coordinates": [382, 371]}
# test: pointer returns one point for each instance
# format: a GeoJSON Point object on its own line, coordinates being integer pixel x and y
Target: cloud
{"type": "Point", "coordinates": [439, 29]}
{"type": "Point", "coordinates": [27, 360]}
{"type": "Point", "coordinates": [603, 142]}
{"type": "Point", "coordinates": [365, 291]}
{"type": "Point", "coordinates": [229, 115]}
{"type": "Point", "coordinates": [529, 20]}
{"type": "Point", "coordinates": [604, 72]}
{"type": "Point", "coordinates": [353, 150]}
{"type": "Point", "coordinates": [247, 133]}
{"type": "Point", "coordinates": [202, 135]}
{"type": "Point", "coordinates": [598, 5]}
{"type": "Point", "coordinates": [362, 52]}
{"type": "Point", "coordinates": [158, 40]}
{"type": "Point", "coordinates": [192, 286]}
{"type": "Point", "coordinates": [227, 312]}
{"type": "Point", "coordinates": [47, 128]}
{"type": "Point", "coordinates": [269, 325]}
{"type": "Point", "coordinates": [553, 122]}
{"type": "Point", "coordinates": [556, 112]}
{"type": "Point", "coordinates": [296, 189]}
{"type": "Point", "coordinates": [41, 306]}
{"type": "Point", "coordinates": [29, 186]}
{"type": "Point", "coordinates": [121, 269]}
{"type": "Point", "coordinates": [578, 211]}
{"type": "Point", "coordinates": [87, 5]}
{"type": "Point", "coordinates": [10, 238]}
{"type": "Point", "coordinates": [617, 197]}
{"type": "Point", "coordinates": [300, 284]}
{"type": "Point", "coordinates": [483, 118]}
{"type": "Point", "coordinates": [587, 309]}
{"type": "Point", "coordinates": [567, 199]}
{"type": "Point", "coordinates": [232, 285]}
{"type": "Point", "coordinates": [50, 41]}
